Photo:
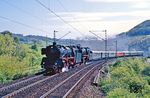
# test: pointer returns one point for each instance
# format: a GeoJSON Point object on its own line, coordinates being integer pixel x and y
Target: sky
{"type": "Point", "coordinates": [28, 17]}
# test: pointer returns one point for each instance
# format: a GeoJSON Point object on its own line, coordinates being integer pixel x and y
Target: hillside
{"type": "Point", "coordinates": [138, 37]}
{"type": "Point", "coordinates": [27, 39]}
{"type": "Point", "coordinates": [30, 39]}
{"type": "Point", "coordinates": [141, 29]}
{"type": "Point", "coordinates": [140, 43]}
{"type": "Point", "coordinates": [91, 42]}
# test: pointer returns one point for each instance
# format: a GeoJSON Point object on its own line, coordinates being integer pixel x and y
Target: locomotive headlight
{"type": "Point", "coordinates": [56, 63]}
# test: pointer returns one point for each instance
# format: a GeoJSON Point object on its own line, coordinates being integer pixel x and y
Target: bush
{"type": "Point", "coordinates": [10, 66]}
{"type": "Point", "coordinates": [107, 85]}
{"type": "Point", "coordinates": [120, 72]}
{"type": "Point", "coordinates": [126, 80]}
{"type": "Point", "coordinates": [120, 93]}
{"type": "Point", "coordinates": [17, 60]}
{"type": "Point", "coordinates": [147, 78]}
{"type": "Point", "coordinates": [146, 91]}
{"type": "Point", "coordinates": [146, 71]}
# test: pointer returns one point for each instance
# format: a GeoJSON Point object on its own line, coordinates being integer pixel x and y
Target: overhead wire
{"type": "Point", "coordinates": [22, 10]}
{"type": "Point", "coordinates": [51, 11]}
{"type": "Point", "coordinates": [17, 22]}
{"type": "Point", "coordinates": [68, 12]}
{"type": "Point", "coordinates": [63, 36]}
{"type": "Point", "coordinates": [62, 6]}
{"type": "Point", "coordinates": [76, 19]}
{"type": "Point", "coordinates": [97, 36]}
{"type": "Point", "coordinates": [25, 12]}
{"type": "Point", "coordinates": [81, 25]}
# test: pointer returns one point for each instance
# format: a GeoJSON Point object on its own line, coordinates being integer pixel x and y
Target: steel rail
{"type": "Point", "coordinates": [57, 86]}
{"type": "Point", "coordinates": [80, 80]}
{"type": "Point", "coordinates": [26, 87]}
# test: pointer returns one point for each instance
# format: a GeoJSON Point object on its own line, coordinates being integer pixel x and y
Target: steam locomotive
{"type": "Point", "coordinates": [60, 58]}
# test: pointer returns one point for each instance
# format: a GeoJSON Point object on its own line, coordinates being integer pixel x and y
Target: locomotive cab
{"type": "Point", "coordinates": [78, 54]}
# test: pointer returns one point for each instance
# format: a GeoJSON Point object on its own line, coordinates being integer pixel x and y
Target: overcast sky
{"type": "Point", "coordinates": [115, 16]}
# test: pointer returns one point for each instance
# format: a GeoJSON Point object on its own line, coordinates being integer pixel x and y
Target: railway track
{"type": "Point", "coordinates": [48, 86]}
{"type": "Point", "coordinates": [67, 88]}
{"type": "Point", "coordinates": [10, 88]}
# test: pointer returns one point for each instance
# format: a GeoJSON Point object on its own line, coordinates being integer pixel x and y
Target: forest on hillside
{"type": "Point", "coordinates": [17, 59]}
{"type": "Point", "coordinates": [141, 43]}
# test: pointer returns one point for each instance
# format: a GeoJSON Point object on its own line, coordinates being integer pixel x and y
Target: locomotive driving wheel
{"type": "Point", "coordinates": [49, 72]}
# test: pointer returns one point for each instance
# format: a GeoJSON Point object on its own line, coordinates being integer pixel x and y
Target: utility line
{"type": "Point", "coordinates": [22, 10]}
{"type": "Point", "coordinates": [39, 2]}
{"type": "Point", "coordinates": [64, 36]}
{"type": "Point", "coordinates": [68, 12]}
{"type": "Point", "coordinates": [17, 22]}
{"type": "Point", "coordinates": [97, 36]}
{"type": "Point", "coordinates": [76, 19]}
{"type": "Point", "coordinates": [62, 5]}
